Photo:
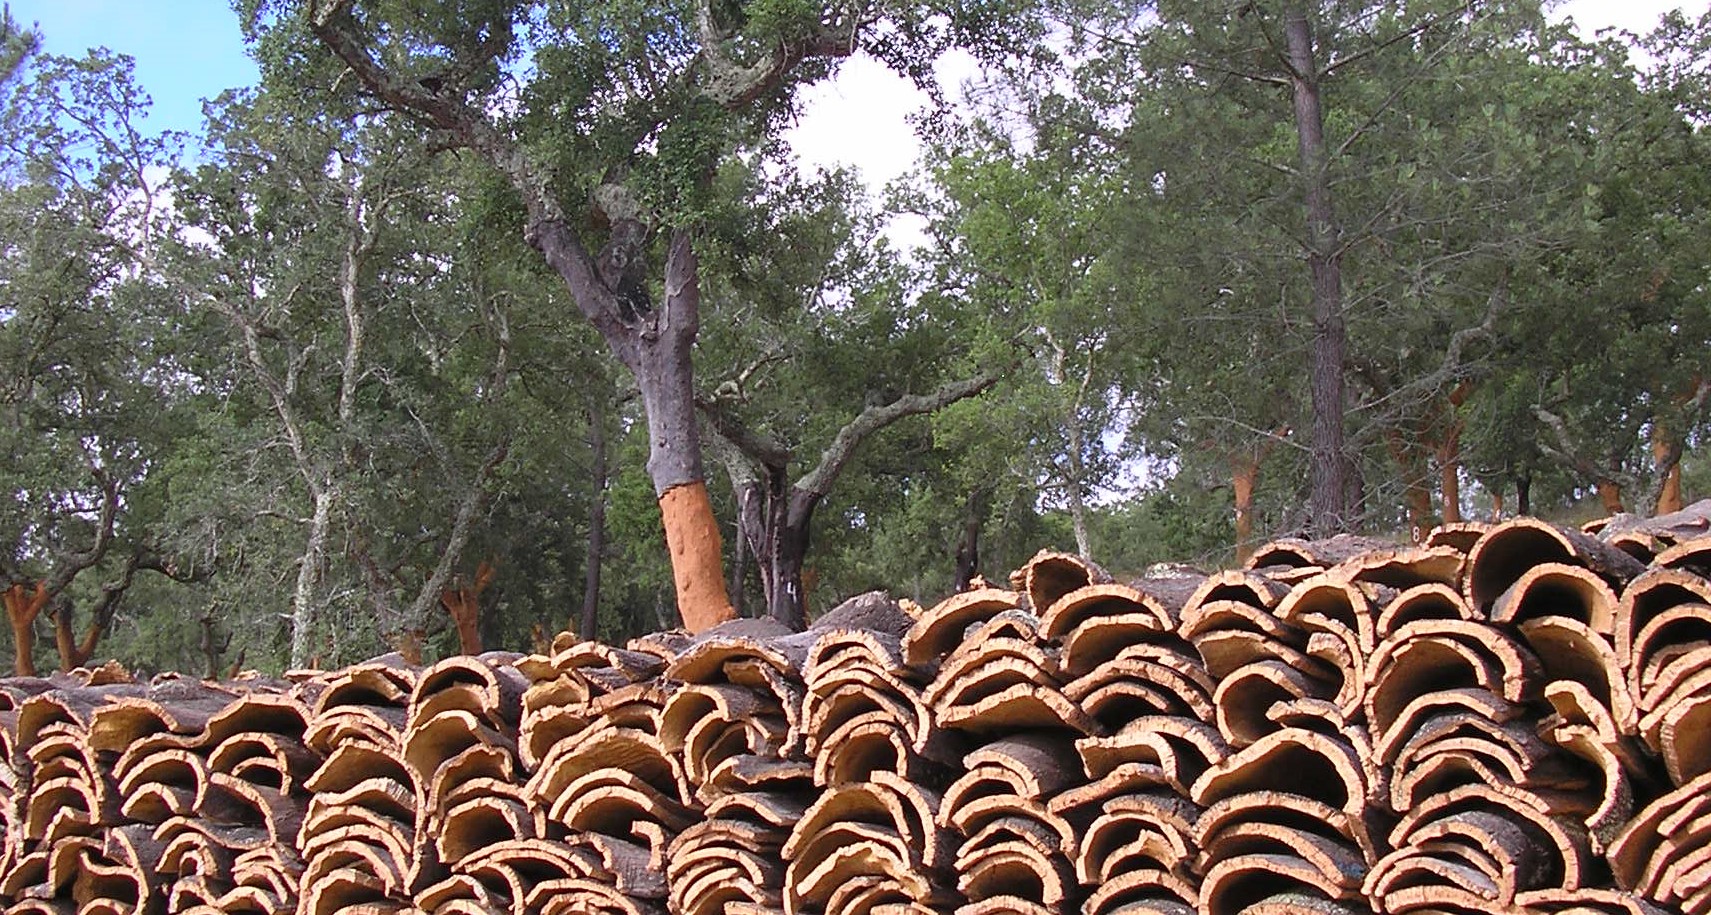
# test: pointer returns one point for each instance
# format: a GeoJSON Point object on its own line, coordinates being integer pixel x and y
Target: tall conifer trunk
{"type": "Point", "coordinates": [1328, 498]}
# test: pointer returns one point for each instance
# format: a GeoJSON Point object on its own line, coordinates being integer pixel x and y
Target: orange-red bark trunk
{"type": "Point", "coordinates": [23, 605]}
{"type": "Point", "coordinates": [1416, 493]}
{"type": "Point", "coordinates": [1669, 495]}
{"type": "Point", "coordinates": [1610, 496]}
{"type": "Point", "coordinates": [463, 602]}
{"type": "Point", "coordinates": [1449, 456]}
{"type": "Point", "coordinates": [692, 536]}
{"type": "Point", "coordinates": [72, 653]}
{"type": "Point", "coordinates": [1243, 475]}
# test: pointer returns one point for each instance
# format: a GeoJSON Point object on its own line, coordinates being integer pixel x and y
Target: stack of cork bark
{"type": "Point", "coordinates": [1504, 719]}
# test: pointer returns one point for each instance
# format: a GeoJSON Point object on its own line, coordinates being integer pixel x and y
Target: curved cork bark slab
{"type": "Point", "coordinates": [1004, 694]}
{"type": "Point", "coordinates": [1137, 830]}
{"type": "Point", "coordinates": [1570, 651]}
{"type": "Point", "coordinates": [1689, 523]}
{"type": "Point", "coordinates": [838, 651]}
{"type": "Point", "coordinates": [1460, 536]}
{"type": "Point", "coordinates": [1557, 589]}
{"type": "Point", "coordinates": [1649, 596]}
{"type": "Point", "coordinates": [716, 656]}
{"type": "Point", "coordinates": [1259, 861]}
{"type": "Point", "coordinates": [1693, 555]}
{"type": "Point", "coordinates": [429, 744]}
{"type": "Point", "coordinates": [1504, 554]}
{"type": "Point", "coordinates": [1458, 748]}
{"type": "Point", "coordinates": [1436, 655]}
{"type": "Point", "coordinates": [1430, 601]}
{"type": "Point", "coordinates": [1019, 860]}
{"type": "Point", "coordinates": [838, 697]}
{"type": "Point", "coordinates": [1144, 680]}
{"type": "Point", "coordinates": [1331, 604]}
{"type": "Point", "coordinates": [1295, 553]}
{"type": "Point", "coordinates": [1103, 601]}
{"type": "Point", "coordinates": [1401, 568]}
{"type": "Point", "coordinates": [570, 653]}
{"type": "Point", "coordinates": [1245, 700]}
{"type": "Point", "coordinates": [940, 629]}
{"type": "Point", "coordinates": [1180, 748]}
{"type": "Point", "coordinates": [1585, 902]}
{"type": "Point", "coordinates": [1235, 585]}
{"type": "Point", "coordinates": [492, 685]}
{"type": "Point", "coordinates": [577, 896]}
{"type": "Point", "coordinates": [177, 707]}
{"type": "Point", "coordinates": [625, 749]}
{"type": "Point", "coordinates": [384, 681]}
{"type": "Point", "coordinates": [1049, 575]}
{"type": "Point", "coordinates": [1145, 890]}
{"type": "Point", "coordinates": [1312, 767]}
{"type": "Point", "coordinates": [1550, 855]}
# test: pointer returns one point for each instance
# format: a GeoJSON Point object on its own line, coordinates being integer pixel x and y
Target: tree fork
{"type": "Point", "coordinates": [23, 605]}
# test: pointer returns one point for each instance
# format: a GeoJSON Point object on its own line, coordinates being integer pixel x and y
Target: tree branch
{"type": "Point", "coordinates": [1564, 452]}
{"type": "Point", "coordinates": [755, 446]}
{"type": "Point", "coordinates": [75, 563]}
{"type": "Point", "coordinates": [818, 482]}
{"type": "Point", "coordinates": [547, 228]}
{"type": "Point", "coordinates": [1335, 65]}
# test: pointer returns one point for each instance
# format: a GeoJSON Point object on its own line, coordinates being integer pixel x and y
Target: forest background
{"type": "Point", "coordinates": [410, 345]}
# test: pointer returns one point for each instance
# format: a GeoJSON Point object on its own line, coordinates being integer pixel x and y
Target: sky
{"type": "Point", "coordinates": [189, 50]}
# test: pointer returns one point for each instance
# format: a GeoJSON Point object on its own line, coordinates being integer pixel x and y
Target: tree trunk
{"type": "Point", "coordinates": [73, 653]}
{"type": "Point", "coordinates": [1416, 494]}
{"type": "Point", "coordinates": [1666, 461]}
{"type": "Point", "coordinates": [1078, 521]}
{"type": "Point", "coordinates": [212, 645]}
{"type": "Point", "coordinates": [468, 621]}
{"type": "Point", "coordinates": [1449, 455]}
{"type": "Point", "coordinates": [968, 546]}
{"type": "Point", "coordinates": [408, 643]}
{"type": "Point", "coordinates": [660, 359]}
{"type": "Point", "coordinates": [1324, 262]}
{"type": "Point", "coordinates": [692, 537]}
{"type": "Point", "coordinates": [1610, 496]}
{"type": "Point", "coordinates": [787, 600]}
{"type": "Point", "coordinates": [463, 602]}
{"type": "Point", "coordinates": [308, 577]}
{"type": "Point", "coordinates": [776, 516]}
{"type": "Point", "coordinates": [589, 624]}
{"type": "Point", "coordinates": [751, 534]}
{"type": "Point", "coordinates": [1244, 472]}
{"type": "Point", "coordinates": [1524, 494]}
{"type": "Point", "coordinates": [1075, 480]}
{"type": "Point", "coordinates": [1449, 482]}
{"type": "Point", "coordinates": [22, 607]}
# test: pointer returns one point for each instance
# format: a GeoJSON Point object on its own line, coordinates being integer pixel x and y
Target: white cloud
{"type": "Point", "coordinates": [1638, 16]}
{"type": "Point", "coordinates": [860, 117]}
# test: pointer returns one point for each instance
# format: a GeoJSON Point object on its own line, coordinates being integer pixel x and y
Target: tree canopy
{"type": "Point", "coordinates": [473, 322]}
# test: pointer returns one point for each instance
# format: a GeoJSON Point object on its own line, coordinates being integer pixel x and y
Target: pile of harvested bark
{"type": "Point", "coordinates": [1505, 719]}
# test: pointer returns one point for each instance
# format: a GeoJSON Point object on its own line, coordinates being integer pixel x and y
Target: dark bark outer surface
{"type": "Point", "coordinates": [788, 603]}
{"type": "Point", "coordinates": [968, 546]}
{"type": "Point", "coordinates": [589, 623]}
{"type": "Point", "coordinates": [1328, 498]}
